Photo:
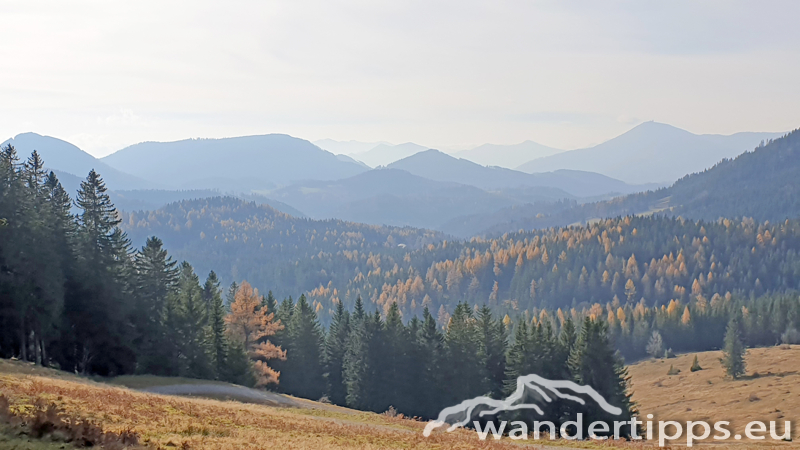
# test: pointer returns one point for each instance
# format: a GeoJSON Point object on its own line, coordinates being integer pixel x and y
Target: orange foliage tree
{"type": "Point", "coordinates": [250, 324]}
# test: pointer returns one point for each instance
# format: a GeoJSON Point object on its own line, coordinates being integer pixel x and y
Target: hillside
{"type": "Point", "coordinates": [63, 157]}
{"type": "Point", "coordinates": [651, 153]}
{"type": "Point", "coordinates": [396, 197]}
{"type": "Point", "coordinates": [763, 184]}
{"type": "Point", "coordinates": [508, 156]}
{"type": "Point", "coordinates": [245, 240]}
{"type": "Point", "coordinates": [165, 422]}
{"type": "Point", "coordinates": [770, 391]}
{"type": "Point", "coordinates": [435, 165]}
{"type": "Point", "coordinates": [231, 164]}
{"type": "Point", "coordinates": [664, 258]}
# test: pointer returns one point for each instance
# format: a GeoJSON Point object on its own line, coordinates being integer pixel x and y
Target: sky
{"type": "Point", "coordinates": [445, 74]}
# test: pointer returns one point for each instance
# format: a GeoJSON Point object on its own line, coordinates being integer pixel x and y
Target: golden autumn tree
{"type": "Point", "coordinates": [250, 324]}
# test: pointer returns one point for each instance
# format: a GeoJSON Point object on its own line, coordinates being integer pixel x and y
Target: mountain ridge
{"type": "Point", "coordinates": [651, 152]}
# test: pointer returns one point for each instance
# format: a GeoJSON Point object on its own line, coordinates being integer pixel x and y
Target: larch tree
{"type": "Point", "coordinates": [249, 324]}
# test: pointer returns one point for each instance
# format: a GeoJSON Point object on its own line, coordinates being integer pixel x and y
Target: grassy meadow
{"type": "Point", "coordinates": [769, 392]}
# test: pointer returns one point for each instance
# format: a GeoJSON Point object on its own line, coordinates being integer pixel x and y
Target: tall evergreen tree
{"type": "Point", "coordinates": [463, 371]}
{"type": "Point", "coordinates": [196, 344]}
{"type": "Point", "coordinates": [356, 358]}
{"type": "Point", "coordinates": [98, 314]}
{"type": "Point", "coordinates": [734, 350]}
{"type": "Point", "coordinates": [594, 363]}
{"type": "Point", "coordinates": [492, 337]}
{"type": "Point", "coordinates": [393, 361]}
{"type": "Point", "coordinates": [156, 279]}
{"type": "Point", "coordinates": [303, 371]}
{"type": "Point", "coordinates": [212, 295]}
{"type": "Point", "coordinates": [427, 394]}
{"type": "Point", "coordinates": [335, 349]}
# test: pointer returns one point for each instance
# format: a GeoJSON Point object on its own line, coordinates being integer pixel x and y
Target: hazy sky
{"type": "Point", "coordinates": [107, 74]}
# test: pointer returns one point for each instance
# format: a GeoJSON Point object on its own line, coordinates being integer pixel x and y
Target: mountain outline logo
{"type": "Point", "coordinates": [542, 386]}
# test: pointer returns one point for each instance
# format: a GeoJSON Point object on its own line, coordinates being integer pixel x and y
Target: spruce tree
{"type": "Point", "coordinates": [196, 345]}
{"type": "Point", "coordinates": [594, 363]}
{"type": "Point", "coordinates": [393, 361]}
{"type": "Point", "coordinates": [356, 358]}
{"type": "Point", "coordinates": [335, 349]}
{"type": "Point", "coordinates": [212, 295]}
{"type": "Point", "coordinates": [493, 342]}
{"type": "Point", "coordinates": [733, 351]}
{"type": "Point", "coordinates": [98, 314]}
{"type": "Point", "coordinates": [302, 373]}
{"type": "Point", "coordinates": [464, 369]}
{"type": "Point", "coordinates": [156, 278]}
{"type": "Point", "coordinates": [428, 394]}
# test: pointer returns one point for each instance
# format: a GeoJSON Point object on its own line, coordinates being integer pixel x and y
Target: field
{"type": "Point", "coordinates": [769, 391]}
{"type": "Point", "coordinates": [195, 423]}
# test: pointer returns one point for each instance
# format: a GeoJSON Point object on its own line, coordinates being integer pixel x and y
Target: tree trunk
{"type": "Point", "coordinates": [37, 355]}
{"type": "Point", "coordinates": [44, 353]}
{"type": "Point", "coordinates": [23, 344]}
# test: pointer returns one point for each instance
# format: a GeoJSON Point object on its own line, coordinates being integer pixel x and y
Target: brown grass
{"type": "Point", "coordinates": [175, 422]}
{"type": "Point", "coordinates": [769, 391]}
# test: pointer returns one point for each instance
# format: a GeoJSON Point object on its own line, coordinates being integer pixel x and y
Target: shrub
{"type": "Point", "coordinates": [49, 421]}
{"type": "Point", "coordinates": [672, 370]}
{"type": "Point", "coordinates": [695, 365]}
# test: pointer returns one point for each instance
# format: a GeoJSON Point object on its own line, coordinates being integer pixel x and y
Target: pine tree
{"type": "Point", "coordinates": [463, 373]}
{"type": "Point", "coordinates": [335, 349]}
{"type": "Point", "coordinates": [733, 351]}
{"type": "Point", "coordinates": [431, 355]}
{"type": "Point", "coordinates": [156, 278]}
{"type": "Point", "coordinates": [393, 363]}
{"type": "Point", "coordinates": [594, 363]}
{"type": "Point", "coordinates": [303, 372]}
{"type": "Point", "coordinates": [212, 295]}
{"type": "Point", "coordinates": [493, 342]}
{"type": "Point", "coordinates": [518, 359]}
{"type": "Point", "coordinates": [655, 346]}
{"type": "Point", "coordinates": [356, 358]}
{"type": "Point", "coordinates": [98, 314]}
{"type": "Point", "coordinates": [195, 345]}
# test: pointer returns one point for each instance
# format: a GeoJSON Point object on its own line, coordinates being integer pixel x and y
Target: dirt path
{"type": "Point", "coordinates": [241, 394]}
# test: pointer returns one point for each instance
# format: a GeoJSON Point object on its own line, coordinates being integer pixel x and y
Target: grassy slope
{"type": "Point", "coordinates": [164, 420]}
{"type": "Point", "coordinates": [769, 391]}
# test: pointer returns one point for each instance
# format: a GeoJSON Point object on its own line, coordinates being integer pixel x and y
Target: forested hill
{"type": "Point", "coordinates": [655, 258]}
{"type": "Point", "coordinates": [246, 240]}
{"type": "Point", "coordinates": [762, 184]}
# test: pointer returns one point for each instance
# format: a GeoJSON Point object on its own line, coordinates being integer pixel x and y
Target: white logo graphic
{"type": "Point", "coordinates": [461, 414]}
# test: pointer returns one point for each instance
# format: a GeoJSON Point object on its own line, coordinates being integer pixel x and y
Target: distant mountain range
{"type": "Point", "coordinates": [425, 188]}
{"type": "Point", "coordinates": [384, 154]}
{"type": "Point", "coordinates": [508, 156]}
{"type": "Point", "coordinates": [763, 184]}
{"type": "Point", "coordinates": [242, 163]}
{"type": "Point", "coordinates": [651, 153]}
{"type": "Point", "coordinates": [66, 158]}
{"type": "Point", "coordinates": [346, 147]}
{"type": "Point", "coordinates": [435, 165]}
{"type": "Point", "coordinates": [398, 198]}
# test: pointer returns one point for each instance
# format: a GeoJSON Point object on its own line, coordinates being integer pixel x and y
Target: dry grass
{"type": "Point", "coordinates": [770, 391]}
{"type": "Point", "coordinates": [175, 422]}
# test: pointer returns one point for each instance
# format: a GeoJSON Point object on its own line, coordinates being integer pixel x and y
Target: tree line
{"type": "Point", "coordinates": [75, 295]}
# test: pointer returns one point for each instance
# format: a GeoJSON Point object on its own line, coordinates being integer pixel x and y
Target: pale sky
{"type": "Point", "coordinates": [446, 74]}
